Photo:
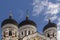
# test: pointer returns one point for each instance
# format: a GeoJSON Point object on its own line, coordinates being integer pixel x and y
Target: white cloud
{"type": "Point", "coordinates": [58, 29]}
{"type": "Point", "coordinates": [58, 23]}
{"type": "Point", "coordinates": [38, 7]}
{"type": "Point", "coordinates": [52, 18]}
{"type": "Point", "coordinates": [58, 0]}
{"type": "Point", "coordinates": [58, 19]}
{"type": "Point", "coordinates": [52, 9]}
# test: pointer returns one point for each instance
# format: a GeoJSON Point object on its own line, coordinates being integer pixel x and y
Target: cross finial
{"type": "Point", "coordinates": [49, 19]}
{"type": "Point", "coordinates": [10, 15]}
{"type": "Point", "coordinates": [27, 14]}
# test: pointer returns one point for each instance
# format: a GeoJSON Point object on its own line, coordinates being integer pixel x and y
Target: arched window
{"type": "Point", "coordinates": [53, 34]}
{"type": "Point", "coordinates": [28, 32]}
{"type": "Point", "coordinates": [10, 33]}
{"type": "Point", "coordinates": [22, 33]}
{"type": "Point", "coordinates": [4, 34]}
{"type": "Point", "coordinates": [34, 39]}
{"type": "Point", "coordinates": [18, 39]}
{"type": "Point", "coordinates": [15, 34]}
{"type": "Point", "coordinates": [48, 35]}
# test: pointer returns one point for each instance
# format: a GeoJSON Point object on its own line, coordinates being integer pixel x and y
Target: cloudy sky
{"type": "Point", "coordinates": [39, 11]}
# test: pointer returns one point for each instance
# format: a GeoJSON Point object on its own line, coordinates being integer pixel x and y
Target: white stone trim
{"type": "Point", "coordinates": [52, 28]}
{"type": "Point", "coordinates": [28, 26]}
{"type": "Point", "coordinates": [10, 25]}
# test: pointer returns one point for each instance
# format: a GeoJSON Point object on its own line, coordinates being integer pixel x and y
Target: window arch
{"type": "Point", "coordinates": [22, 33]}
{"type": "Point", "coordinates": [53, 34]}
{"type": "Point", "coordinates": [10, 33]}
{"type": "Point", "coordinates": [48, 35]}
{"type": "Point", "coordinates": [15, 34]}
{"type": "Point", "coordinates": [4, 34]}
{"type": "Point", "coordinates": [29, 32]}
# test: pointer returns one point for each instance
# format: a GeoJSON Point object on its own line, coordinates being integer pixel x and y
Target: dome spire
{"type": "Point", "coordinates": [49, 20]}
{"type": "Point", "coordinates": [27, 15]}
{"type": "Point", "coordinates": [10, 15]}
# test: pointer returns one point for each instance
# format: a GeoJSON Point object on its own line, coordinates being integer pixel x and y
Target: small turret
{"type": "Point", "coordinates": [50, 30]}
{"type": "Point", "coordinates": [9, 21]}
{"type": "Point", "coordinates": [27, 27]}
{"type": "Point", "coordinates": [9, 29]}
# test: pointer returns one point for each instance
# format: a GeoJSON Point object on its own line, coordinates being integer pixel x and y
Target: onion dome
{"type": "Point", "coordinates": [49, 25]}
{"type": "Point", "coordinates": [27, 22]}
{"type": "Point", "coordinates": [9, 21]}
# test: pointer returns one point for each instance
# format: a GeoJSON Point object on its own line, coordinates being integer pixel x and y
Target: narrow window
{"type": "Point", "coordinates": [34, 39]}
{"type": "Point", "coordinates": [15, 34]}
{"type": "Point", "coordinates": [28, 32]}
{"type": "Point", "coordinates": [10, 33]}
{"type": "Point", "coordinates": [48, 35]}
{"type": "Point", "coordinates": [53, 34]}
{"type": "Point", "coordinates": [18, 39]}
{"type": "Point", "coordinates": [22, 33]}
{"type": "Point", "coordinates": [4, 34]}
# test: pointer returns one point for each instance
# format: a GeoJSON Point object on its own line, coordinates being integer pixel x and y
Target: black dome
{"type": "Point", "coordinates": [27, 22]}
{"type": "Point", "coordinates": [49, 25]}
{"type": "Point", "coordinates": [9, 21]}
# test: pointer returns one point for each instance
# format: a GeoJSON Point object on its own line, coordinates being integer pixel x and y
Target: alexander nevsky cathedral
{"type": "Point", "coordinates": [27, 30]}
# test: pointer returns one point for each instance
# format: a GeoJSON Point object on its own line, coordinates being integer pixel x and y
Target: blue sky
{"type": "Point", "coordinates": [39, 11]}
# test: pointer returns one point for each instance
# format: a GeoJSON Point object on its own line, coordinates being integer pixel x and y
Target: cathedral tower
{"type": "Point", "coordinates": [27, 27]}
{"type": "Point", "coordinates": [50, 30]}
{"type": "Point", "coordinates": [9, 29]}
